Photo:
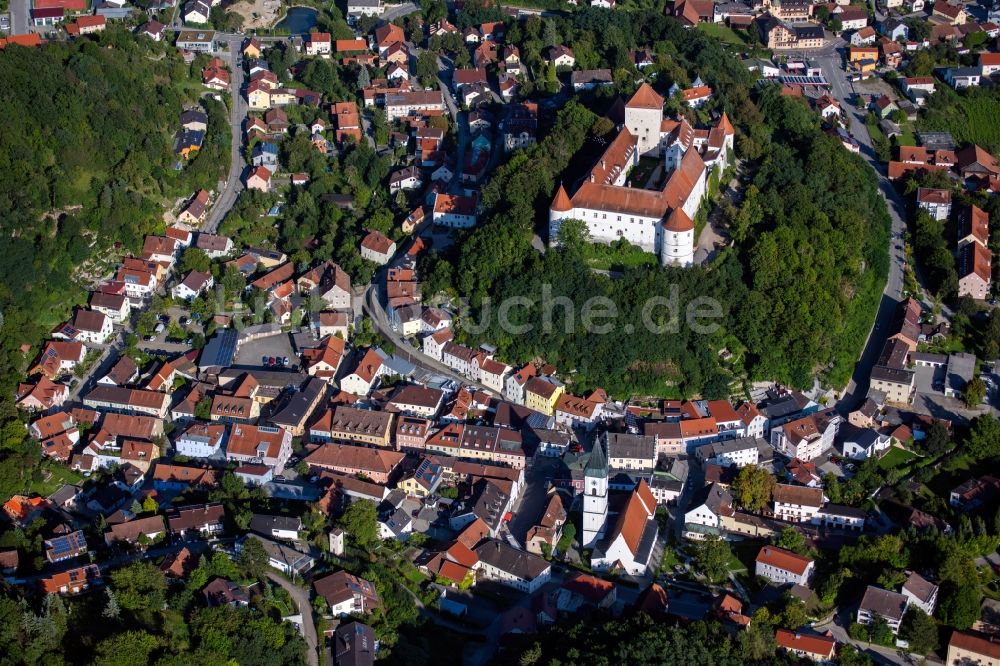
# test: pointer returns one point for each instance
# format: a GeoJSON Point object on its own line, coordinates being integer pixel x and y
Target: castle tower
{"type": "Point", "coordinates": [595, 498]}
{"type": "Point", "coordinates": [643, 117]}
{"type": "Point", "coordinates": [677, 241]}
{"type": "Point", "coordinates": [560, 209]}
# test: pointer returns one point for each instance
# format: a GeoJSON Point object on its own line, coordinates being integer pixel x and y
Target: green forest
{"type": "Point", "coordinates": [797, 293]}
{"type": "Point", "coordinates": [969, 115]}
{"type": "Point", "coordinates": [641, 640]}
{"type": "Point", "coordinates": [86, 170]}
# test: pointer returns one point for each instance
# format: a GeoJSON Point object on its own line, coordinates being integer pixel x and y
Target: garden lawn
{"type": "Point", "coordinates": [724, 33]}
{"type": "Point", "coordinates": [895, 457]}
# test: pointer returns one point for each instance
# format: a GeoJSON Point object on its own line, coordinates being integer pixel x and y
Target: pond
{"type": "Point", "coordinates": [298, 20]}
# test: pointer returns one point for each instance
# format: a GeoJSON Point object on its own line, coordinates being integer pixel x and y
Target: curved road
{"type": "Point", "coordinates": [372, 307]}
{"type": "Point", "coordinates": [234, 181]}
{"type": "Point", "coordinates": [840, 89]}
{"type": "Point", "coordinates": [301, 598]}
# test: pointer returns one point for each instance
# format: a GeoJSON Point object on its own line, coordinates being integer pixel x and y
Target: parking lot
{"type": "Point", "coordinates": [279, 346]}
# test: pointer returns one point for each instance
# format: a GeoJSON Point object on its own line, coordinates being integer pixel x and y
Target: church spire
{"type": "Point", "coordinates": [597, 465]}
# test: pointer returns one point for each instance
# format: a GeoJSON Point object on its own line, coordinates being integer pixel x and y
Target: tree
{"type": "Point", "coordinates": [936, 440]}
{"type": "Point", "coordinates": [149, 505]}
{"type": "Point", "coordinates": [711, 557]}
{"type": "Point", "coordinates": [253, 559]}
{"type": "Point", "coordinates": [984, 437]}
{"type": "Point", "coordinates": [975, 392]}
{"type": "Point", "coordinates": [195, 259]}
{"type": "Point", "coordinates": [566, 540]}
{"type": "Point", "coordinates": [752, 487]}
{"type": "Point", "coordinates": [427, 67]}
{"type": "Point", "coordinates": [360, 521]}
{"type": "Point", "coordinates": [364, 78]}
{"type": "Point", "coordinates": [203, 409]}
{"type": "Point", "coordinates": [126, 649]}
{"type": "Point", "coordinates": [793, 615]}
{"type": "Point", "coordinates": [792, 539]}
{"type": "Point", "coordinates": [880, 632]}
{"type": "Point", "coordinates": [140, 586]}
{"type": "Point", "coordinates": [959, 606]}
{"type": "Point", "coordinates": [848, 655]}
{"type": "Point", "coordinates": [919, 630]}
{"type": "Point", "coordinates": [111, 608]}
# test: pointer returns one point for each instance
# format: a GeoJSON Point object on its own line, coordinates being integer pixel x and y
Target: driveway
{"type": "Point", "coordinates": [301, 598]}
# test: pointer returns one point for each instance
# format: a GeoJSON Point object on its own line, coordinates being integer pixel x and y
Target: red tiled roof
{"type": "Point", "coordinates": [645, 98]}
{"type": "Point", "coordinates": [783, 559]}
{"type": "Point", "coordinates": [815, 645]}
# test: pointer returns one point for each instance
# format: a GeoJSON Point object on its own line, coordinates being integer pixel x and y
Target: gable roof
{"type": "Point", "coordinates": [783, 559]}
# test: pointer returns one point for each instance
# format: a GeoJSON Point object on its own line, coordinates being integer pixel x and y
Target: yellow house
{"type": "Point", "coordinates": [541, 395]}
{"type": "Point", "coordinates": [252, 48]}
{"type": "Point", "coordinates": [862, 58]}
{"type": "Point", "coordinates": [282, 97]}
{"type": "Point", "coordinates": [259, 98]}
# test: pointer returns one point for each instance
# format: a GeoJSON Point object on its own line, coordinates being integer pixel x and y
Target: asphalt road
{"type": "Point", "coordinates": [402, 10]}
{"type": "Point", "coordinates": [234, 182]}
{"type": "Point", "coordinates": [19, 12]}
{"type": "Point", "coordinates": [842, 90]}
{"type": "Point", "coordinates": [373, 308]}
{"type": "Point", "coordinates": [301, 598]}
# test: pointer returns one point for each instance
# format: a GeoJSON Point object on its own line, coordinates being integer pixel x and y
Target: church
{"type": "Point", "coordinates": [658, 221]}
{"type": "Point", "coordinates": [620, 528]}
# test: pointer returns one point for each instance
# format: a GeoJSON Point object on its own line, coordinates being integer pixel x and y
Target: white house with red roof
{"type": "Point", "coordinates": [657, 220]}
{"type": "Point", "coordinates": [810, 646]}
{"type": "Point", "coordinates": [783, 566]}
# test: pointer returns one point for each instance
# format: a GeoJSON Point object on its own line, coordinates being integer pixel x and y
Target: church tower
{"type": "Point", "coordinates": [595, 498]}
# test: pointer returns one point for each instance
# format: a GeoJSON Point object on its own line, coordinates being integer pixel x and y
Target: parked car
{"type": "Point", "coordinates": [159, 328]}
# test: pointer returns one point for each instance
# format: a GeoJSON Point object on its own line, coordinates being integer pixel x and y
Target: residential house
{"type": "Point", "coordinates": [972, 648]}
{"type": "Point", "coordinates": [974, 271]}
{"type": "Point", "coordinates": [193, 285]}
{"type": "Point", "coordinates": [560, 56]}
{"type": "Point", "coordinates": [266, 445]}
{"type": "Point", "coordinates": [501, 562]}
{"type": "Point", "coordinates": [349, 424]}
{"type": "Point", "coordinates": [796, 504]}
{"type": "Point", "coordinates": [347, 594]}
{"type": "Point", "coordinates": [806, 438]}
{"type": "Point", "coordinates": [542, 395]}
{"type": "Point", "coordinates": [318, 43]}
{"type": "Point", "coordinates": [920, 592]}
{"type": "Point", "coordinates": [204, 519]}
{"type": "Point", "coordinates": [891, 606]}
{"type": "Point", "coordinates": [259, 178]}
{"type": "Point", "coordinates": [803, 645]}
{"type": "Point", "coordinates": [378, 465]}
{"type": "Point", "coordinates": [362, 379]}
{"type": "Point", "coordinates": [739, 452]}
{"type": "Point", "coordinates": [72, 581]}
{"type": "Point", "coordinates": [378, 248]}
{"type": "Point", "coordinates": [201, 440]}
{"type": "Point", "coordinates": [783, 566]}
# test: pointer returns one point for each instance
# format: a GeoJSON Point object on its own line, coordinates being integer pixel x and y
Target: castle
{"type": "Point", "coordinates": [658, 221]}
